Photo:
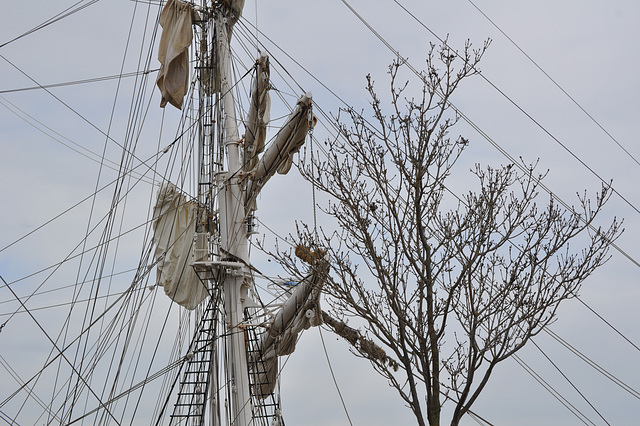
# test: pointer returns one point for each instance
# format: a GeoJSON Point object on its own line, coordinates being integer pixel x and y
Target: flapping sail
{"type": "Point", "coordinates": [174, 226]}
{"type": "Point", "coordinates": [173, 78]}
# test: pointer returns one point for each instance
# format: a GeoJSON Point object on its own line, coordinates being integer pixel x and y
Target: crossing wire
{"type": "Point", "coordinates": [60, 352]}
{"type": "Point", "coordinates": [556, 84]}
{"type": "Point", "coordinates": [83, 81]}
{"type": "Point", "coordinates": [570, 382]}
{"type": "Point", "coordinates": [575, 411]}
{"type": "Point", "coordinates": [593, 364]}
{"type": "Point", "coordinates": [58, 17]}
{"type": "Point", "coordinates": [333, 376]}
{"type": "Point", "coordinates": [511, 101]}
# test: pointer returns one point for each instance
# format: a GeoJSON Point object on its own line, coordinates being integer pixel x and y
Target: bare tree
{"type": "Point", "coordinates": [445, 293]}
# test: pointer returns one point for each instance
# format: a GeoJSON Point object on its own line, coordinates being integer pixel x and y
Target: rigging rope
{"type": "Point", "coordinates": [7, 419]}
{"type": "Point", "coordinates": [66, 105]}
{"type": "Point", "coordinates": [30, 120]}
{"type": "Point", "coordinates": [313, 182]}
{"type": "Point", "coordinates": [84, 81]}
{"type": "Point", "coordinates": [609, 324]}
{"type": "Point", "coordinates": [570, 382]}
{"type": "Point", "coordinates": [552, 80]}
{"type": "Point", "coordinates": [333, 376]}
{"type": "Point", "coordinates": [60, 352]}
{"type": "Point", "coordinates": [593, 364]}
{"type": "Point", "coordinates": [575, 411]}
{"type": "Point", "coordinates": [58, 17]}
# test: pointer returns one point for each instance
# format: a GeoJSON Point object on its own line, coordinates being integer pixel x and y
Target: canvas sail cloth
{"type": "Point", "coordinates": [300, 312]}
{"type": "Point", "coordinates": [174, 225]}
{"type": "Point", "coordinates": [279, 156]}
{"type": "Point", "coordinates": [236, 7]}
{"type": "Point", "coordinates": [173, 78]}
{"type": "Point", "coordinates": [259, 114]}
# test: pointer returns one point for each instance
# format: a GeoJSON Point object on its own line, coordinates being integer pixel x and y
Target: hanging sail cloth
{"type": "Point", "coordinates": [174, 225]}
{"type": "Point", "coordinates": [259, 114]}
{"type": "Point", "coordinates": [300, 311]}
{"type": "Point", "coordinates": [236, 7]}
{"type": "Point", "coordinates": [173, 79]}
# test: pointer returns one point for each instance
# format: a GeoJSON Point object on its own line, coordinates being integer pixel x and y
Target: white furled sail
{"type": "Point", "coordinates": [174, 225]}
{"type": "Point", "coordinates": [279, 156]}
{"type": "Point", "coordinates": [259, 114]}
{"type": "Point", "coordinates": [177, 33]}
{"type": "Point", "coordinates": [300, 312]}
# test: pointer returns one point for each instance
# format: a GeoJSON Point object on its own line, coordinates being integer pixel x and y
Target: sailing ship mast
{"type": "Point", "coordinates": [226, 202]}
{"type": "Point", "coordinates": [233, 232]}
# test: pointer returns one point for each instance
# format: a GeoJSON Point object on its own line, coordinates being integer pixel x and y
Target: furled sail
{"type": "Point", "coordinates": [173, 78]}
{"type": "Point", "coordinates": [300, 311]}
{"type": "Point", "coordinates": [174, 225]}
{"type": "Point", "coordinates": [279, 156]}
{"type": "Point", "coordinates": [259, 114]}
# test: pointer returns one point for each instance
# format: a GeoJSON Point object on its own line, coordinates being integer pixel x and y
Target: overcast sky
{"type": "Point", "coordinates": [589, 49]}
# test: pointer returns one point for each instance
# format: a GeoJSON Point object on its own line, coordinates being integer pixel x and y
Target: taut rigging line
{"type": "Point", "coordinates": [553, 81]}
{"type": "Point", "coordinates": [498, 147]}
{"type": "Point", "coordinates": [60, 352]}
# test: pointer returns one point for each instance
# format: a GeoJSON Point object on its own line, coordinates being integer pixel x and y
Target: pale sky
{"type": "Point", "coordinates": [588, 48]}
